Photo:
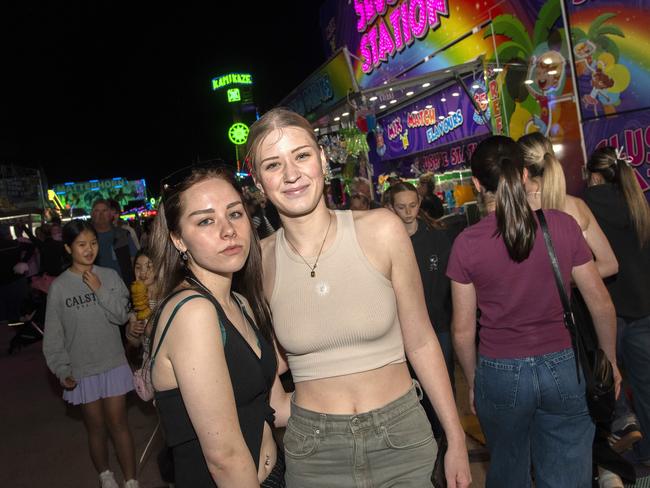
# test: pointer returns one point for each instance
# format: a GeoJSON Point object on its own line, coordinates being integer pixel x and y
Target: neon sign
{"type": "Point", "coordinates": [395, 128]}
{"type": "Point", "coordinates": [385, 34]}
{"type": "Point", "coordinates": [449, 123]}
{"type": "Point", "coordinates": [238, 133]}
{"type": "Point", "coordinates": [232, 79]}
{"type": "Point", "coordinates": [421, 118]}
{"type": "Point", "coordinates": [234, 95]}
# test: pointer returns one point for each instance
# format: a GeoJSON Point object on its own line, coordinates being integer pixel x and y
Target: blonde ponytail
{"type": "Point", "coordinates": [544, 168]}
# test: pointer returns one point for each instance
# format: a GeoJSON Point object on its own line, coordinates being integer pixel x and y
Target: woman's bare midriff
{"type": "Point", "coordinates": [268, 454]}
{"type": "Point", "coordinates": [354, 393]}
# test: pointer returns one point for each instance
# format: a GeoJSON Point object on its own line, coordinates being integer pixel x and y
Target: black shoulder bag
{"type": "Point", "coordinates": [596, 368]}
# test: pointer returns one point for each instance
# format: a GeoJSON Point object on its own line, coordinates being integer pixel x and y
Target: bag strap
{"type": "Point", "coordinates": [569, 321]}
{"type": "Point", "coordinates": [248, 318]}
{"type": "Point", "coordinates": [169, 321]}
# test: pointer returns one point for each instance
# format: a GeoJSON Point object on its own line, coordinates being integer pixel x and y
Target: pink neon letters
{"type": "Point", "coordinates": [409, 20]}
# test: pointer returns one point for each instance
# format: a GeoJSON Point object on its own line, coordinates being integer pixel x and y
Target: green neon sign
{"type": "Point", "coordinates": [238, 133]}
{"type": "Point", "coordinates": [234, 95]}
{"type": "Point", "coordinates": [232, 79]}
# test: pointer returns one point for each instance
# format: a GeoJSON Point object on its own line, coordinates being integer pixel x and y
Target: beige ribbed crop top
{"type": "Point", "coordinates": [344, 320]}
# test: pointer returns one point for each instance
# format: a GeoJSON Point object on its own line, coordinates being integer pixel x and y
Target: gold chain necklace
{"type": "Point", "coordinates": [312, 268]}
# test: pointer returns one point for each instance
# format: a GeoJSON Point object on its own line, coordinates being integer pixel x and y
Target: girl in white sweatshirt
{"type": "Point", "coordinates": [86, 306]}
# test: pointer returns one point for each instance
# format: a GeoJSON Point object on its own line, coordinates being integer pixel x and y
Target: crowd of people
{"type": "Point", "coordinates": [366, 312]}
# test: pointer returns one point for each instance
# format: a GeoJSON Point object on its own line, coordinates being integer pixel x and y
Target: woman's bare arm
{"type": "Point", "coordinates": [195, 349]}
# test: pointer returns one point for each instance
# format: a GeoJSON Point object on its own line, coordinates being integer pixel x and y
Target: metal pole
{"type": "Point", "coordinates": [574, 79]}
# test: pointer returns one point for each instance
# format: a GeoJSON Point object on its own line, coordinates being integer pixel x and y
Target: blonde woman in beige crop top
{"type": "Point", "coordinates": [359, 366]}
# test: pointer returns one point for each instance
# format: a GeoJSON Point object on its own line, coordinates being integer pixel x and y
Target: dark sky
{"type": "Point", "coordinates": [97, 89]}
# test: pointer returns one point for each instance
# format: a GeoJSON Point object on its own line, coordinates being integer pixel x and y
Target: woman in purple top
{"type": "Point", "coordinates": [523, 382]}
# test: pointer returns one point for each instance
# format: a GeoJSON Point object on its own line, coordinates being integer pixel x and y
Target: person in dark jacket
{"type": "Point", "coordinates": [616, 199]}
{"type": "Point", "coordinates": [432, 248]}
{"type": "Point", "coordinates": [116, 248]}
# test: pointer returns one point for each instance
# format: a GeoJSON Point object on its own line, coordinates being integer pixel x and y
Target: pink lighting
{"type": "Point", "coordinates": [418, 18]}
{"type": "Point", "coordinates": [385, 33]}
{"type": "Point", "coordinates": [406, 27]}
{"type": "Point", "coordinates": [386, 46]}
{"type": "Point", "coordinates": [360, 10]}
{"type": "Point", "coordinates": [435, 7]}
{"type": "Point", "coordinates": [395, 17]}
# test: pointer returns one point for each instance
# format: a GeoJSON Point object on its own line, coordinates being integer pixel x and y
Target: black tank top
{"type": "Point", "coordinates": [251, 378]}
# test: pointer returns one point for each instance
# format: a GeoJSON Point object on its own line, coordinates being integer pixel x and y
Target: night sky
{"type": "Point", "coordinates": [98, 89]}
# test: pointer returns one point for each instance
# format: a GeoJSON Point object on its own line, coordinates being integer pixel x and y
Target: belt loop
{"type": "Point", "coordinates": [376, 421]}
{"type": "Point", "coordinates": [418, 389]}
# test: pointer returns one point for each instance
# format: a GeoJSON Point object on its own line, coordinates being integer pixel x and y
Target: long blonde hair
{"type": "Point", "coordinates": [545, 169]}
{"type": "Point", "coordinates": [615, 170]}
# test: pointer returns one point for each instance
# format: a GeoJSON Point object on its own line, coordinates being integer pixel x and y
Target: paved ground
{"type": "Point", "coordinates": [44, 440]}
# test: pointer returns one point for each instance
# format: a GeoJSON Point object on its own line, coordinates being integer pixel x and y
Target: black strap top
{"type": "Point", "coordinates": [251, 378]}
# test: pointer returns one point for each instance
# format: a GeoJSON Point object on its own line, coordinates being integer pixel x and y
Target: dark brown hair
{"type": "Point", "coordinates": [498, 165]}
{"type": "Point", "coordinates": [168, 265]}
{"type": "Point", "coordinates": [616, 171]}
{"type": "Point", "coordinates": [406, 186]}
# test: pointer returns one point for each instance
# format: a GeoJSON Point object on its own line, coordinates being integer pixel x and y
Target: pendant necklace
{"type": "Point", "coordinates": [312, 268]}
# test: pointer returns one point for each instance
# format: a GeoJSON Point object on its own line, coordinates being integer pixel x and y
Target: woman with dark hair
{"type": "Point", "coordinates": [621, 208]}
{"type": "Point", "coordinates": [86, 305]}
{"type": "Point", "coordinates": [348, 309]}
{"type": "Point", "coordinates": [524, 383]}
{"type": "Point", "coordinates": [213, 361]}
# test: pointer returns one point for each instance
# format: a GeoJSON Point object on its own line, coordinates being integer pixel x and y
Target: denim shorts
{"type": "Point", "coordinates": [390, 446]}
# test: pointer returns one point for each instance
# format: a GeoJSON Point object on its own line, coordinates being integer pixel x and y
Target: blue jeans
{"type": "Point", "coordinates": [623, 414]}
{"type": "Point", "coordinates": [635, 344]}
{"type": "Point", "coordinates": [533, 409]}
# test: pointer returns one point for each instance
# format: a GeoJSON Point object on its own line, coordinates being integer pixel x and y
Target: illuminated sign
{"type": "Point", "coordinates": [385, 34]}
{"type": "Point", "coordinates": [83, 194]}
{"type": "Point", "coordinates": [232, 79]}
{"type": "Point", "coordinates": [395, 128]}
{"type": "Point", "coordinates": [238, 133]}
{"type": "Point", "coordinates": [421, 118]}
{"type": "Point", "coordinates": [446, 125]}
{"type": "Point", "coordinates": [234, 95]}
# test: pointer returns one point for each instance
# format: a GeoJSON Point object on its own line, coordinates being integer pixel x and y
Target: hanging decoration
{"type": "Point", "coordinates": [334, 148]}
{"type": "Point", "coordinates": [371, 122]}
{"type": "Point", "coordinates": [355, 141]}
{"type": "Point", "coordinates": [362, 124]}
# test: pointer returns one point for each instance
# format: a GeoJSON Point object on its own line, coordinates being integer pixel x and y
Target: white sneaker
{"type": "Point", "coordinates": [132, 484]}
{"type": "Point", "coordinates": [107, 480]}
{"type": "Point", "coordinates": [607, 479]}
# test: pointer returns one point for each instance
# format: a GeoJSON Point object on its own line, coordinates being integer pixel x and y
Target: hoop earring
{"type": "Point", "coordinates": [184, 255]}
